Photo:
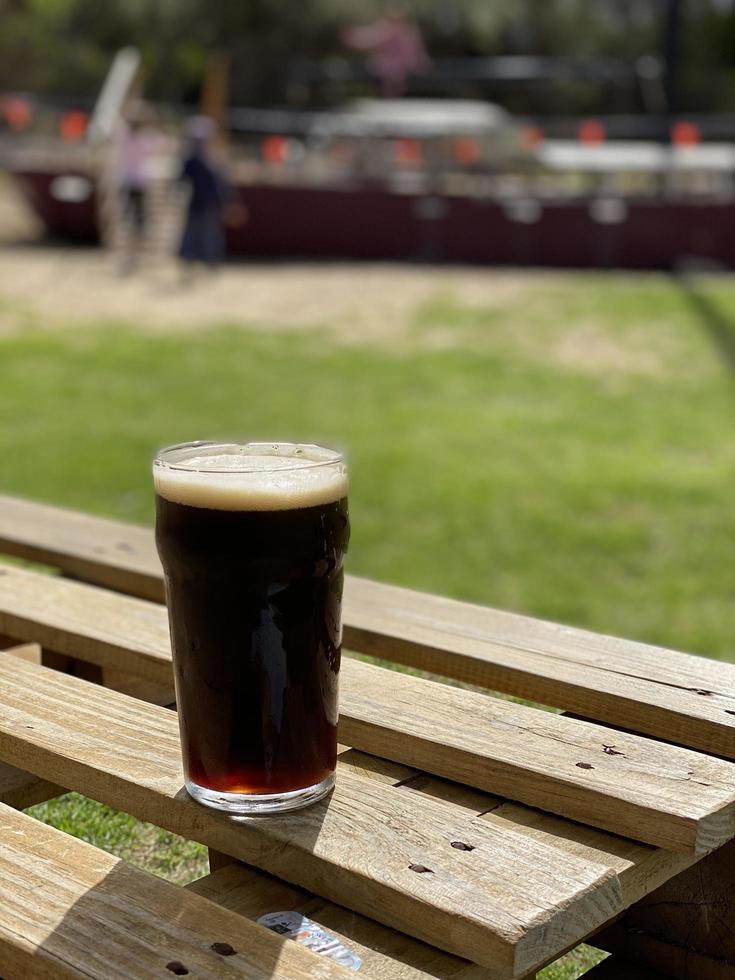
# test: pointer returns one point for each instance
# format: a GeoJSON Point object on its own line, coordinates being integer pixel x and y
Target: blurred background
{"type": "Point", "coordinates": [485, 247]}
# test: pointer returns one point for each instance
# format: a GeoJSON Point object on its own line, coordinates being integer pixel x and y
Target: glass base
{"type": "Point", "coordinates": [255, 804]}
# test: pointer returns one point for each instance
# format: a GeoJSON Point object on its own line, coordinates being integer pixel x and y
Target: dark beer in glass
{"type": "Point", "coordinates": [252, 539]}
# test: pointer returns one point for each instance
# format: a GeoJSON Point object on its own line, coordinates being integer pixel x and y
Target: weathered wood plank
{"type": "Point", "coordinates": [638, 867]}
{"type": "Point", "coordinates": [385, 953]}
{"type": "Point", "coordinates": [93, 549]}
{"type": "Point", "coordinates": [684, 699]}
{"type": "Point", "coordinates": [621, 782]}
{"type": "Point", "coordinates": [25, 651]}
{"type": "Point", "coordinates": [17, 788]}
{"type": "Point", "coordinates": [69, 910]}
{"type": "Point", "coordinates": [685, 928]}
{"type": "Point", "coordinates": [137, 687]}
{"type": "Point", "coordinates": [511, 901]}
{"type": "Point", "coordinates": [674, 696]}
{"type": "Point", "coordinates": [22, 789]}
{"type": "Point", "coordinates": [624, 783]}
{"type": "Point", "coordinates": [81, 621]}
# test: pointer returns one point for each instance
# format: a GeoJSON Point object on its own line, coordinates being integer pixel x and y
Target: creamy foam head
{"type": "Point", "coordinates": [254, 476]}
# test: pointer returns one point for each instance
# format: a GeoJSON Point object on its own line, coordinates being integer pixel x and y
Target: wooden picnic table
{"type": "Point", "coordinates": [468, 836]}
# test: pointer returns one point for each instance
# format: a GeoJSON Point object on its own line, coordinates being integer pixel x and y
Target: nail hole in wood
{"type": "Point", "coordinates": [420, 869]}
{"type": "Point", "coordinates": [583, 765]}
{"type": "Point", "coordinates": [177, 968]}
{"type": "Point", "coordinates": [224, 949]}
{"type": "Point", "coordinates": [611, 750]}
{"type": "Point", "coordinates": [459, 845]}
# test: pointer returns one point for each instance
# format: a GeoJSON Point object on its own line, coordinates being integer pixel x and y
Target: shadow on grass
{"type": "Point", "coordinates": [719, 325]}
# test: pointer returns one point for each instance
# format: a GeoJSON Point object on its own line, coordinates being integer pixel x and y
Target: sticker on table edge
{"type": "Point", "coordinates": [310, 934]}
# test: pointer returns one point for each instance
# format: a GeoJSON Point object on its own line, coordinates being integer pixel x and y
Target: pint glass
{"type": "Point", "coordinates": [252, 539]}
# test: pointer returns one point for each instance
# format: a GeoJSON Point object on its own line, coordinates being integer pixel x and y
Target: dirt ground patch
{"type": "Point", "coordinates": [43, 286]}
{"type": "Point", "coordinates": [46, 287]}
{"type": "Point", "coordinates": [431, 307]}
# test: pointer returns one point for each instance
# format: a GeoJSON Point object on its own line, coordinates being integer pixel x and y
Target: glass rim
{"type": "Point", "coordinates": [299, 452]}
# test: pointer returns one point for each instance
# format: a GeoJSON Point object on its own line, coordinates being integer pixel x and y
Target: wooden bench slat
{"type": "Point", "coordinates": [640, 869]}
{"type": "Point", "coordinates": [24, 651]}
{"type": "Point", "coordinates": [17, 788]}
{"type": "Point", "coordinates": [624, 783]}
{"type": "Point", "coordinates": [69, 910]}
{"type": "Point", "coordinates": [385, 953]}
{"type": "Point", "coordinates": [20, 789]}
{"type": "Point", "coordinates": [508, 902]}
{"type": "Point", "coordinates": [85, 622]}
{"type": "Point", "coordinates": [658, 793]}
{"type": "Point", "coordinates": [93, 549]}
{"type": "Point", "coordinates": [674, 696]}
{"type": "Point", "coordinates": [252, 892]}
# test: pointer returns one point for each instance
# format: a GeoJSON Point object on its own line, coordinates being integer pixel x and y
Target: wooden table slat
{"type": "Point", "coordinates": [17, 788]}
{"type": "Point", "coordinates": [69, 910]}
{"type": "Point", "coordinates": [385, 953]}
{"type": "Point", "coordinates": [20, 789]}
{"type": "Point", "coordinates": [640, 869]}
{"type": "Point", "coordinates": [513, 901]}
{"type": "Point", "coordinates": [100, 550]}
{"type": "Point", "coordinates": [674, 696]}
{"type": "Point", "coordinates": [252, 892]}
{"type": "Point", "coordinates": [624, 783]}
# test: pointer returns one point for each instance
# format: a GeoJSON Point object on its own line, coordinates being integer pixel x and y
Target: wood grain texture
{"type": "Point", "coordinates": [630, 785]}
{"type": "Point", "coordinates": [69, 910]}
{"type": "Point", "coordinates": [25, 651]}
{"type": "Point", "coordinates": [249, 891]}
{"type": "Point", "coordinates": [385, 953]}
{"type": "Point", "coordinates": [92, 549]}
{"type": "Point", "coordinates": [22, 789]}
{"type": "Point", "coordinates": [639, 868]}
{"type": "Point", "coordinates": [81, 621]}
{"type": "Point", "coordinates": [674, 696]}
{"type": "Point", "coordinates": [510, 902]}
{"type": "Point", "coordinates": [688, 920]}
{"type": "Point", "coordinates": [624, 783]}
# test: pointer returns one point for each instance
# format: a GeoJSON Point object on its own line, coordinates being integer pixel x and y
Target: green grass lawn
{"type": "Point", "coordinates": [567, 454]}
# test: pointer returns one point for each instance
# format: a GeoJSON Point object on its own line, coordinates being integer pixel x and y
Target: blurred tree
{"type": "Point", "coordinates": [63, 47]}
